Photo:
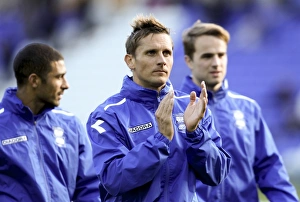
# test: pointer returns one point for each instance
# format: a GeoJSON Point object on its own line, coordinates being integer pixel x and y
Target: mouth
{"type": "Point", "coordinates": [60, 95]}
{"type": "Point", "coordinates": [161, 71]}
{"type": "Point", "coordinates": [215, 73]}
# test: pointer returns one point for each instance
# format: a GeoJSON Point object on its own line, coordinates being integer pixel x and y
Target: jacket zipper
{"type": "Point", "coordinates": [41, 162]}
{"type": "Point", "coordinates": [220, 189]}
{"type": "Point", "coordinates": [166, 187]}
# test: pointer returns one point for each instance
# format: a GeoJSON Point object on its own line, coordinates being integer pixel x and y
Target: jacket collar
{"type": "Point", "coordinates": [133, 91]}
{"type": "Point", "coordinates": [189, 85]}
{"type": "Point", "coordinates": [15, 105]}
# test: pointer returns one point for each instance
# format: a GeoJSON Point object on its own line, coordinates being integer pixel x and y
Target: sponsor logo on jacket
{"type": "Point", "coordinates": [59, 136]}
{"type": "Point", "coordinates": [22, 138]}
{"type": "Point", "coordinates": [140, 127]}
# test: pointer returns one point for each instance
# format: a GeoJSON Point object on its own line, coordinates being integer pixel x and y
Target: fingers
{"type": "Point", "coordinates": [193, 97]}
{"type": "Point", "coordinates": [166, 105]}
{"type": "Point", "coordinates": [165, 108]}
{"type": "Point", "coordinates": [164, 115]}
{"type": "Point", "coordinates": [203, 97]}
{"type": "Point", "coordinates": [195, 111]}
{"type": "Point", "coordinates": [203, 85]}
{"type": "Point", "coordinates": [169, 102]}
{"type": "Point", "coordinates": [203, 91]}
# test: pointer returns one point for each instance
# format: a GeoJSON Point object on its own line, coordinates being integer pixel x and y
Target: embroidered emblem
{"type": "Point", "coordinates": [239, 119]}
{"type": "Point", "coordinates": [180, 122]}
{"type": "Point", "coordinates": [58, 134]}
{"type": "Point", "coordinates": [140, 127]}
{"type": "Point", "coordinates": [22, 138]}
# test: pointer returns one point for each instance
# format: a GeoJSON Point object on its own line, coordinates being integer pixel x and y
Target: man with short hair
{"type": "Point", "coordinates": [239, 120]}
{"type": "Point", "coordinates": [151, 143]}
{"type": "Point", "coordinates": [45, 154]}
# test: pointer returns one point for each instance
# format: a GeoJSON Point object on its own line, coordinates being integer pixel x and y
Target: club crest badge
{"type": "Point", "coordinates": [58, 134]}
{"type": "Point", "coordinates": [239, 119]}
{"type": "Point", "coordinates": [180, 122]}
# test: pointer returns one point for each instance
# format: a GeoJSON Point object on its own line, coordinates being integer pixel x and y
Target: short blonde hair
{"type": "Point", "coordinates": [198, 29]}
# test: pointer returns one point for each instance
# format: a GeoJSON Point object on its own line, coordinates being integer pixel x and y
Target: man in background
{"type": "Point", "coordinates": [45, 151]}
{"type": "Point", "coordinates": [238, 119]}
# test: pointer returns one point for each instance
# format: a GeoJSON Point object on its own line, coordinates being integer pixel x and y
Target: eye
{"type": "Point", "coordinates": [151, 52]}
{"type": "Point", "coordinates": [167, 53]}
{"type": "Point", "coordinates": [221, 55]}
{"type": "Point", "coordinates": [60, 76]}
{"type": "Point", "coordinates": [207, 56]}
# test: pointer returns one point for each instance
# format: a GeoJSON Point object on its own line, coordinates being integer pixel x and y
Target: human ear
{"type": "Point", "coordinates": [34, 80]}
{"type": "Point", "coordinates": [188, 61]}
{"type": "Point", "coordinates": [129, 61]}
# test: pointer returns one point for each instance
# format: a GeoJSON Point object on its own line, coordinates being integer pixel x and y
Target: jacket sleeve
{"type": "Point", "coordinates": [205, 154]}
{"type": "Point", "coordinates": [120, 167]}
{"type": "Point", "coordinates": [270, 173]}
{"type": "Point", "coordinates": [87, 181]}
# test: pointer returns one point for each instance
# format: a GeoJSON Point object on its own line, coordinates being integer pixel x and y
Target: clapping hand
{"type": "Point", "coordinates": [163, 116]}
{"type": "Point", "coordinates": [196, 109]}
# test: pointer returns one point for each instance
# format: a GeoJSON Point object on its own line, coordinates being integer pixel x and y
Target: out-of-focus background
{"type": "Point", "coordinates": [263, 53]}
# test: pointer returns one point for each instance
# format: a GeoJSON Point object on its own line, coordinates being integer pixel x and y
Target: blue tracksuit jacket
{"type": "Point", "coordinates": [247, 138]}
{"type": "Point", "coordinates": [137, 163]}
{"type": "Point", "coordinates": [44, 158]}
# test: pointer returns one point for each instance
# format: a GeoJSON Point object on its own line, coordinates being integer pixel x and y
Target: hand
{"type": "Point", "coordinates": [196, 109]}
{"type": "Point", "coordinates": [163, 116]}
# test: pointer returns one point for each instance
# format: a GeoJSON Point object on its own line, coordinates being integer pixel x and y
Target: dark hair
{"type": "Point", "coordinates": [198, 29]}
{"type": "Point", "coordinates": [142, 27]}
{"type": "Point", "coordinates": [34, 58]}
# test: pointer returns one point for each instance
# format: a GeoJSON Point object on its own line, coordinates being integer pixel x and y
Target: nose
{"type": "Point", "coordinates": [162, 60]}
{"type": "Point", "coordinates": [65, 84]}
{"type": "Point", "coordinates": [216, 61]}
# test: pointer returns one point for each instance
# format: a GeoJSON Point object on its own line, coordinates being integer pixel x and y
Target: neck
{"type": "Point", "coordinates": [28, 99]}
{"type": "Point", "coordinates": [212, 88]}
